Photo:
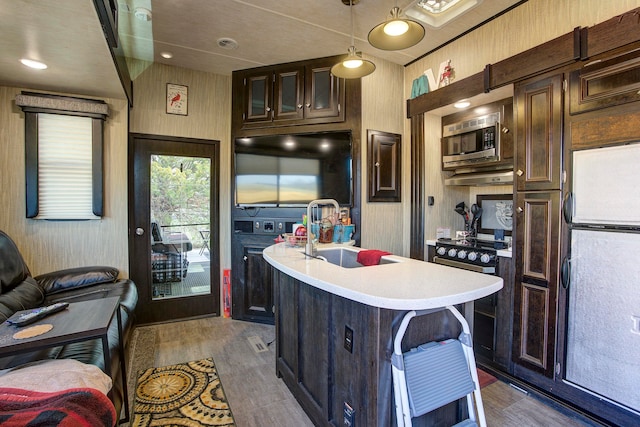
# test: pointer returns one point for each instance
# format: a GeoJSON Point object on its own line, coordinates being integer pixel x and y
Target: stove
{"type": "Point", "coordinates": [471, 254]}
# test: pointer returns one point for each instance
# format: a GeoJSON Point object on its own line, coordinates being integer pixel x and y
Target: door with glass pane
{"type": "Point", "coordinates": [174, 227]}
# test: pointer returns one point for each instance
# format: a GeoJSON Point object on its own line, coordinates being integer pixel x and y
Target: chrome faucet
{"type": "Point", "coordinates": [310, 247]}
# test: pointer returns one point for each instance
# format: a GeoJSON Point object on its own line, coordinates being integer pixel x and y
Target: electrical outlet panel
{"type": "Point", "coordinates": [348, 339]}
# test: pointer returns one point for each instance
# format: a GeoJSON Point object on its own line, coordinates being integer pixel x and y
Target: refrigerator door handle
{"type": "Point", "coordinates": [567, 208]}
{"type": "Point", "coordinates": [565, 273]}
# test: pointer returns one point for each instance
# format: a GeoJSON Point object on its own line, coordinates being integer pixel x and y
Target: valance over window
{"type": "Point", "coordinates": [63, 147]}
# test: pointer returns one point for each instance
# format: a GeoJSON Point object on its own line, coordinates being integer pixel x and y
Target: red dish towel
{"type": "Point", "coordinates": [371, 256]}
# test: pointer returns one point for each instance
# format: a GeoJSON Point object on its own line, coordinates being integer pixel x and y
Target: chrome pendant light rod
{"type": "Point", "coordinates": [353, 66]}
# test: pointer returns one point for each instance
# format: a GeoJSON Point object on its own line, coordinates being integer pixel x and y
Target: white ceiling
{"type": "Point", "coordinates": [66, 35]}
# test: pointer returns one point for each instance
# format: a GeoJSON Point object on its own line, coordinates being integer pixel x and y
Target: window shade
{"type": "Point", "coordinates": [65, 186]}
{"type": "Point", "coordinates": [69, 143]}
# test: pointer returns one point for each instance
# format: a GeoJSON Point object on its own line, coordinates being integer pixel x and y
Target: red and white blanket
{"type": "Point", "coordinates": [76, 407]}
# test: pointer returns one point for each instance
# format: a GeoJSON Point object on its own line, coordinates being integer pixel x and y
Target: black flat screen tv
{"type": "Point", "coordinates": [292, 170]}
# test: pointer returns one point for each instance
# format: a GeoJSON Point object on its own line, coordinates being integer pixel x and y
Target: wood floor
{"type": "Point", "coordinates": [259, 399]}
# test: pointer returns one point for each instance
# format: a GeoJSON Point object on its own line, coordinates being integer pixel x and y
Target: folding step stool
{"type": "Point", "coordinates": [435, 374]}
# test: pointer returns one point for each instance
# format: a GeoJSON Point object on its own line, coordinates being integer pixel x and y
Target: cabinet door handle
{"type": "Point", "coordinates": [244, 258]}
{"type": "Point", "coordinates": [519, 209]}
{"type": "Point", "coordinates": [567, 208]}
{"type": "Point", "coordinates": [377, 164]}
{"type": "Point", "coordinates": [565, 273]}
{"type": "Point", "coordinates": [519, 172]}
{"type": "Point", "coordinates": [268, 109]}
{"type": "Point", "coordinates": [299, 106]}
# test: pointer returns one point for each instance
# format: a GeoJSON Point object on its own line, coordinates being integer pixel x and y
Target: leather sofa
{"type": "Point", "coordinates": [20, 291]}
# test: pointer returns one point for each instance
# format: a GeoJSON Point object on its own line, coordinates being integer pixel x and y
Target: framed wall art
{"type": "Point", "coordinates": [177, 99]}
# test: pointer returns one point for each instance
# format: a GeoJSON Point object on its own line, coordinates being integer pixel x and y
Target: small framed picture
{"type": "Point", "coordinates": [497, 213]}
{"type": "Point", "coordinates": [177, 99]}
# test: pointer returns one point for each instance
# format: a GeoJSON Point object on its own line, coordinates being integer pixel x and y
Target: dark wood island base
{"type": "Point", "coordinates": [332, 352]}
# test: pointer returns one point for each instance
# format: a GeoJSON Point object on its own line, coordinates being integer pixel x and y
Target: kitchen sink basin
{"type": "Point", "coordinates": [344, 257]}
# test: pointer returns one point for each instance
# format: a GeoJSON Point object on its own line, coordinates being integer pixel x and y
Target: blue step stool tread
{"type": "Point", "coordinates": [436, 374]}
{"type": "Point", "coordinates": [466, 423]}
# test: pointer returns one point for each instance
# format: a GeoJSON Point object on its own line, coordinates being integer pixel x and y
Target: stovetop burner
{"type": "Point", "coordinates": [475, 243]}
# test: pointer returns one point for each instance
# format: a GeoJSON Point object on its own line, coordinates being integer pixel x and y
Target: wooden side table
{"type": "Point", "coordinates": [81, 321]}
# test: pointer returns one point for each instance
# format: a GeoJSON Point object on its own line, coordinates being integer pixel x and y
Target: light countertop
{"type": "Point", "coordinates": [407, 284]}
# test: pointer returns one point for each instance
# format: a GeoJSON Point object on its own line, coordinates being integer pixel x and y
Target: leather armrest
{"type": "Point", "coordinates": [63, 280]}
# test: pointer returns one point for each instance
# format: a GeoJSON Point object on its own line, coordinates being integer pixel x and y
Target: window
{"type": "Point", "coordinates": [63, 147]}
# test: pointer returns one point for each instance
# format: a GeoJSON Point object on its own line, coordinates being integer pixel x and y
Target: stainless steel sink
{"type": "Point", "coordinates": [344, 257]}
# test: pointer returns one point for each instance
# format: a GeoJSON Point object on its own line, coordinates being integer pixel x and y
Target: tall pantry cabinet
{"type": "Point", "coordinates": [539, 126]}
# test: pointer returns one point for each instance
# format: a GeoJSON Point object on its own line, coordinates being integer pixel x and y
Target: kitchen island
{"type": "Point", "coordinates": [335, 327]}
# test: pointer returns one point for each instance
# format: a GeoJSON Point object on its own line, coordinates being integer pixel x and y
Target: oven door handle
{"type": "Point", "coordinates": [464, 265]}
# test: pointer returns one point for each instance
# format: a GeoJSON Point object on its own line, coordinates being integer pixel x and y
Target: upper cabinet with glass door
{"type": "Point", "coordinates": [291, 94]}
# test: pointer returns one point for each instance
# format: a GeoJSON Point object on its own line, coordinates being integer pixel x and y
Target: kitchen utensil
{"type": "Point", "coordinates": [477, 213]}
{"type": "Point", "coordinates": [462, 209]}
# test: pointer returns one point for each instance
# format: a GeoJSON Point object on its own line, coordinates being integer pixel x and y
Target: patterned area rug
{"type": "Point", "coordinates": [485, 378]}
{"type": "Point", "coordinates": [188, 394]}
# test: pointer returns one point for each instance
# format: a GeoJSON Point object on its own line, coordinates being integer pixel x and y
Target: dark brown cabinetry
{"type": "Point", "coordinates": [286, 99]}
{"type": "Point", "coordinates": [539, 125]}
{"type": "Point", "coordinates": [539, 113]}
{"type": "Point", "coordinates": [536, 286]}
{"type": "Point", "coordinates": [252, 290]}
{"type": "Point", "coordinates": [384, 166]}
{"type": "Point", "coordinates": [602, 84]}
{"type": "Point", "coordinates": [291, 94]}
{"type": "Point", "coordinates": [492, 322]}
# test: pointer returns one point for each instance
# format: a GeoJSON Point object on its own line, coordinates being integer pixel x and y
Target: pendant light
{"type": "Point", "coordinates": [353, 66]}
{"type": "Point", "coordinates": [396, 33]}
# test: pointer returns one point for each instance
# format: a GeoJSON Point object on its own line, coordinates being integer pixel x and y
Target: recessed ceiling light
{"type": "Point", "coordinates": [166, 55]}
{"type": "Point", "coordinates": [227, 43]}
{"type": "Point", "coordinates": [33, 64]}
{"type": "Point", "coordinates": [462, 104]}
{"type": "Point", "coordinates": [143, 14]}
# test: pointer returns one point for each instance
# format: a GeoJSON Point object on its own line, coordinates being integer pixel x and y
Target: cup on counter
{"type": "Point", "coordinates": [343, 233]}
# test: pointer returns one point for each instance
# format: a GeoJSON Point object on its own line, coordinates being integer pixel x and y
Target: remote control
{"type": "Point", "coordinates": [39, 313]}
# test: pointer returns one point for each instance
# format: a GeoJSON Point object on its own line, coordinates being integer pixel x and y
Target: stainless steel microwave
{"type": "Point", "coordinates": [473, 142]}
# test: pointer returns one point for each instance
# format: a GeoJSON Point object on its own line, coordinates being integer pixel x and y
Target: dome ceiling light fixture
{"type": "Point", "coordinates": [353, 66]}
{"type": "Point", "coordinates": [36, 65]}
{"type": "Point", "coordinates": [396, 33]}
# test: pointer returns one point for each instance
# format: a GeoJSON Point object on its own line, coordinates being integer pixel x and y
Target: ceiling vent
{"type": "Point", "coordinates": [227, 43]}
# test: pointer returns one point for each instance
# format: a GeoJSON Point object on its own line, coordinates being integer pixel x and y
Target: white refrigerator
{"type": "Point", "coordinates": [603, 314]}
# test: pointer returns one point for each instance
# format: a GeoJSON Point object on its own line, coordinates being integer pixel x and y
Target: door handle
{"type": "Point", "coordinates": [565, 273]}
{"type": "Point", "coordinates": [567, 208]}
{"type": "Point", "coordinates": [139, 231]}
